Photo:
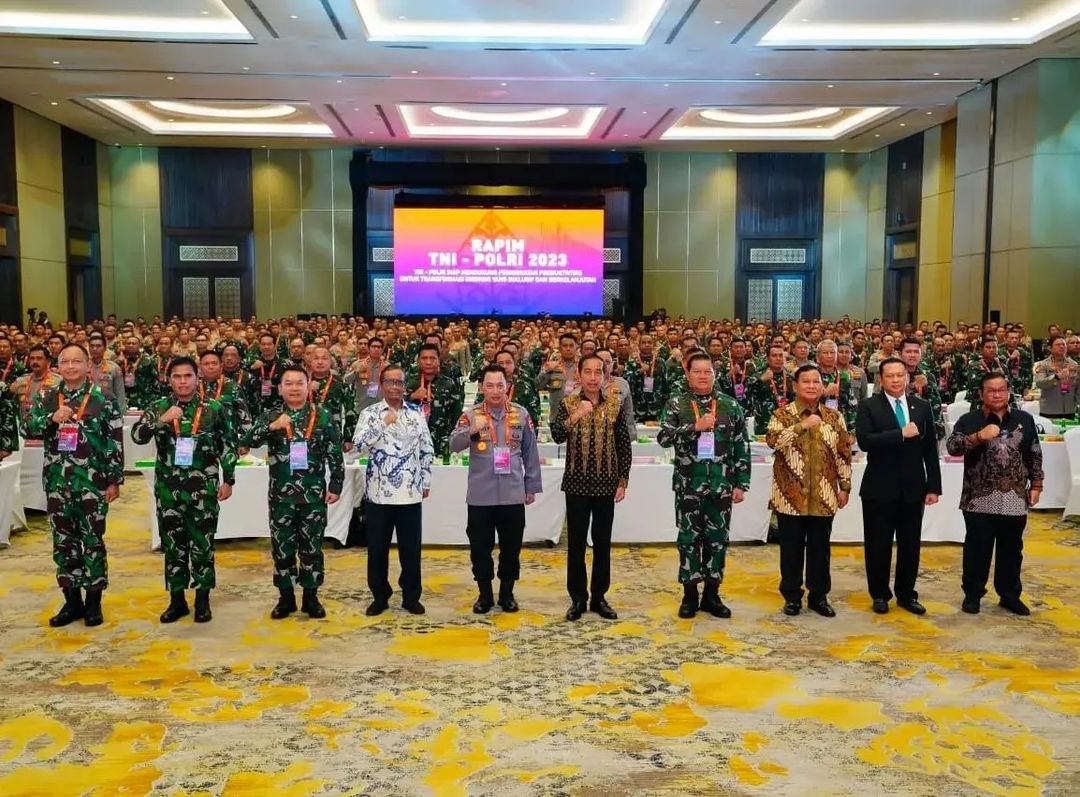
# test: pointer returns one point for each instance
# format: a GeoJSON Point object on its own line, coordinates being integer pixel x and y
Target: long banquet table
{"type": "Point", "coordinates": [9, 498]}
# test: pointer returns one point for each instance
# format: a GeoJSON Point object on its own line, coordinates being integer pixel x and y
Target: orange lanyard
{"type": "Point", "coordinates": [425, 385]}
{"type": "Point", "coordinates": [10, 364]}
{"type": "Point", "coordinates": [325, 390]}
{"type": "Point", "coordinates": [506, 425]}
{"type": "Point", "coordinates": [652, 367]}
{"type": "Point", "coordinates": [217, 394]}
{"type": "Point", "coordinates": [783, 384]}
{"type": "Point", "coordinates": [742, 372]}
{"type": "Point", "coordinates": [510, 393]}
{"type": "Point", "coordinates": [194, 426]}
{"type": "Point", "coordinates": [82, 407]}
{"type": "Point", "coordinates": [165, 370]}
{"type": "Point", "coordinates": [310, 425]}
{"type": "Point", "coordinates": [262, 371]}
{"type": "Point", "coordinates": [697, 412]}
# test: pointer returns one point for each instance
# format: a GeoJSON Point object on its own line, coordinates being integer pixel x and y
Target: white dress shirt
{"type": "Point", "coordinates": [399, 454]}
{"type": "Point", "coordinates": [902, 398]}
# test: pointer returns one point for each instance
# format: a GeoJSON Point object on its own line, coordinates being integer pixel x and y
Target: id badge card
{"type": "Point", "coordinates": [832, 404]}
{"type": "Point", "coordinates": [706, 446]}
{"type": "Point", "coordinates": [69, 438]}
{"type": "Point", "coordinates": [943, 382]}
{"type": "Point", "coordinates": [426, 409]}
{"type": "Point", "coordinates": [184, 455]}
{"type": "Point", "coordinates": [1066, 388]}
{"type": "Point", "coordinates": [740, 392]}
{"type": "Point", "coordinates": [267, 387]}
{"type": "Point", "coordinates": [129, 380]}
{"type": "Point", "coordinates": [782, 401]}
{"type": "Point", "coordinates": [298, 455]}
{"type": "Point", "coordinates": [373, 390]}
{"type": "Point", "coordinates": [500, 456]}
{"type": "Point", "coordinates": [649, 382]}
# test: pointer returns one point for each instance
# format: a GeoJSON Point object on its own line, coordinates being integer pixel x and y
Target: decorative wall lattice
{"type": "Point", "coordinates": [212, 254]}
{"type": "Point", "coordinates": [612, 291]}
{"type": "Point", "coordinates": [227, 297]}
{"type": "Point", "coordinates": [784, 256]}
{"type": "Point", "coordinates": [612, 254]}
{"type": "Point", "coordinates": [759, 296]}
{"type": "Point", "coordinates": [196, 297]}
{"type": "Point", "coordinates": [789, 298]}
{"type": "Point", "coordinates": [382, 254]}
{"type": "Point", "coordinates": [382, 296]}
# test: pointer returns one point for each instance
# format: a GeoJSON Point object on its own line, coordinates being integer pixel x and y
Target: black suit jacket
{"type": "Point", "coordinates": [897, 469]}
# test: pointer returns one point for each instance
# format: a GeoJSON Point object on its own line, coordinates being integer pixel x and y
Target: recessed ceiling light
{"type": "Point", "coordinates": [804, 20]}
{"type": "Point", "coordinates": [502, 84]}
{"type": "Point", "coordinates": [937, 74]}
{"type": "Point", "coordinates": [497, 149]}
{"type": "Point", "coordinates": [626, 135]}
{"type": "Point", "coordinates": [169, 77]}
{"type": "Point", "coordinates": [1016, 19]}
{"type": "Point", "coordinates": [843, 150]}
{"type": "Point", "coordinates": [402, 18]}
{"type": "Point", "coordinates": [592, 73]}
{"type": "Point", "coordinates": [644, 112]}
{"type": "Point", "coordinates": [717, 21]}
{"type": "Point", "coordinates": [689, 128]}
{"type": "Point", "coordinates": [246, 68]}
{"type": "Point", "coordinates": [54, 103]}
{"type": "Point", "coordinates": [56, 63]}
{"type": "Point", "coordinates": [611, 19]}
{"type": "Point", "coordinates": [340, 81]}
{"type": "Point", "coordinates": [903, 125]}
{"type": "Point", "coordinates": [736, 117]}
{"type": "Point", "coordinates": [293, 16]}
{"type": "Point", "coordinates": [206, 13]}
{"type": "Point", "coordinates": [465, 115]}
{"type": "Point", "coordinates": [273, 111]}
{"type": "Point", "coordinates": [757, 74]}
{"type": "Point", "coordinates": [877, 135]}
{"type": "Point", "coordinates": [413, 72]}
{"type": "Point", "coordinates": [830, 86]}
{"type": "Point", "coordinates": [929, 113]}
{"type": "Point", "coordinates": [371, 132]}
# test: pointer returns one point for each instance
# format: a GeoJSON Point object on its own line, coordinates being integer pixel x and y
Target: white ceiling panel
{"type": "Point", "coordinates": [181, 20]}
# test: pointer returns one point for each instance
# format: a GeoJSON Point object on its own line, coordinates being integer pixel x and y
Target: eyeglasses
{"type": "Point", "coordinates": [394, 382]}
{"type": "Point", "coordinates": [995, 390]}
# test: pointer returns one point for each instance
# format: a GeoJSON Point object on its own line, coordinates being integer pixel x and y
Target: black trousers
{"type": "Point", "coordinates": [804, 542]}
{"type": "Point", "coordinates": [508, 522]}
{"type": "Point", "coordinates": [580, 510]}
{"type": "Point", "coordinates": [983, 531]}
{"type": "Point", "coordinates": [882, 521]}
{"type": "Point", "coordinates": [382, 521]}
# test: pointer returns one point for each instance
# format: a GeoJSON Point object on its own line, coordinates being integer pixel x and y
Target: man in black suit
{"type": "Point", "coordinates": [896, 430]}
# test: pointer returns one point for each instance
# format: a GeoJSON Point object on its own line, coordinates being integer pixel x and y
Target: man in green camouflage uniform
{"type": "Point", "coordinates": [737, 377]}
{"type": "Point", "coordinates": [263, 378]}
{"type": "Point", "coordinates": [774, 388]}
{"type": "Point", "coordinates": [1019, 364]}
{"type": "Point", "coordinates": [707, 429]}
{"type": "Point", "coordinates": [986, 361]}
{"type": "Point", "coordinates": [195, 439]}
{"type": "Point", "coordinates": [440, 398]}
{"type": "Point", "coordinates": [82, 432]}
{"type": "Point", "coordinates": [645, 374]}
{"type": "Point", "coordinates": [837, 398]}
{"type": "Point", "coordinates": [921, 383]}
{"type": "Point", "coordinates": [215, 385]}
{"type": "Point", "coordinates": [304, 442]}
{"type": "Point", "coordinates": [10, 370]}
{"type": "Point", "coordinates": [333, 393]}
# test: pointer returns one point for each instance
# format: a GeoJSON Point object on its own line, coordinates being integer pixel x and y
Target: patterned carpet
{"type": "Point", "coordinates": [450, 704]}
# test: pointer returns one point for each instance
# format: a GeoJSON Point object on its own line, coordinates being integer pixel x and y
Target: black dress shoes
{"type": "Point", "coordinates": [823, 608]}
{"type": "Point", "coordinates": [1015, 605]}
{"type": "Point", "coordinates": [970, 605]}
{"type": "Point", "coordinates": [881, 606]}
{"type": "Point", "coordinates": [413, 607]}
{"type": "Point", "coordinates": [483, 604]}
{"type": "Point", "coordinates": [792, 608]}
{"type": "Point", "coordinates": [912, 606]}
{"type": "Point", "coordinates": [603, 608]}
{"type": "Point", "coordinates": [577, 608]}
{"type": "Point", "coordinates": [377, 607]}
{"type": "Point", "coordinates": [508, 604]}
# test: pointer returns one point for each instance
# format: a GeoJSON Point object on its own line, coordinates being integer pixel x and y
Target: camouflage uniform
{"type": "Point", "coordinates": [522, 391]}
{"type": "Point", "coordinates": [844, 403]}
{"type": "Point", "coordinates": [703, 488]}
{"type": "Point", "coordinates": [259, 399]}
{"type": "Point", "coordinates": [298, 498]}
{"type": "Point", "coordinates": [75, 482]}
{"type": "Point", "coordinates": [340, 400]}
{"type": "Point", "coordinates": [149, 382]}
{"type": "Point", "coordinates": [766, 397]}
{"type": "Point", "coordinates": [1020, 370]}
{"type": "Point", "coordinates": [976, 368]}
{"type": "Point", "coordinates": [233, 403]}
{"type": "Point", "coordinates": [729, 384]}
{"type": "Point", "coordinates": [930, 394]}
{"type": "Point", "coordinates": [186, 496]}
{"type": "Point", "coordinates": [444, 409]}
{"type": "Point", "coordinates": [26, 389]}
{"type": "Point", "coordinates": [647, 403]}
{"type": "Point", "coordinates": [9, 405]}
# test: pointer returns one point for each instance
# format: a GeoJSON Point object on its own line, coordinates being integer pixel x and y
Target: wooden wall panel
{"type": "Point", "coordinates": [780, 195]}
{"type": "Point", "coordinates": [203, 188]}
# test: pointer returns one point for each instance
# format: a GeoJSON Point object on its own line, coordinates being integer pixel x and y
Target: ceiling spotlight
{"type": "Point", "coordinates": [717, 21]}
{"type": "Point", "coordinates": [413, 72]}
{"type": "Point", "coordinates": [611, 19]}
{"type": "Point", "coordinates": [937, 74]}
{"type": "Point", "coordinates": [830, 86]}
{"type": "Point", "coordinates": [877, 135]}
{"type": "Point", "coordinates": [54, 103]}
{"type": "Point", "coordinates": [804, 20]}
{"type": "Point", "coordinates": [1016, 19]}
{"type": "Point", "coordinates": [592, 73]}
{"type": "Point", "coordinates": [245, 68]}
{"type": "Point", "coordinates": [903, 125]}
{"type": "Point", "coordinates": [843, 150]}
{"type": "Point", "coordinates": [502, 84]}
{"type": "Point", "coordinates": [371, 132]}
{"type": "Point", "coordinates": [929, 113]}
{"type": "Point", "coordinates": [169, 77]}
{"type": "Point", "coordinates": [56, 63]}
{"type": "Point", "coordinates": [293, 16]}
{"type": "Point", "coordinates": [644, 112]}
{"type": "Point", "coordinates": [340, 81]}
{"type": "Point", "coordinates": [757, 74]}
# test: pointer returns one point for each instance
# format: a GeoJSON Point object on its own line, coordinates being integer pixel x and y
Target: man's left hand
{"type": "Point", "coordinates": [841, 499]}
{"type": "Point", "coordinates": [332, 498]}
{"type": "Point", "coordinates": [112, 492]}
{"type": "Point", "coordinates": [1033, 497]}
{"type": "Point", "coordinates": [426, 493]}
{"type": "Point", "coordinates": [620, 494]}
{"type": "Point", "coordinates": [224, 492]}
{"type": "Point", "coordinates": [530, 498]}
{"type": "Point", "coordinates": [737, 495]}
{"type": "Point", "coordinates": [932, 498]}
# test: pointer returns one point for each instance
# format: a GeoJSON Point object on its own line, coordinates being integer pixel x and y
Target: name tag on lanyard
{"type": "Point", "coordinates": [649, 382]}
{"type": "Point", "coordinates": [706, 445]}
{"type": "Point", "coordinates": [129, 379]}
{"type": "Point", "coordinates": [298, 455]}
{"type": "Point", "coordinates": [373, 390]}
{"type": "Point", "coordinates": [184, 456]}
{"type": "Point", "coordinates": [267, 387]}
{"type": "Point", "coordinates": [832, 403]}
{"type": "Point", "coordinates": [68, 441]}
{"type": "Point", "coordinates": [740, 392]}
{"type": "Point", "coordinates": [500, 457]}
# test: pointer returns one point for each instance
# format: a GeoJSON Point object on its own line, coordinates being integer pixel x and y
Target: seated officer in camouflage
{"type": "Point", "coordinates": [304, 444]}
{"type": "Point", "coordinates": [195, 443]}
{"type": "Point", "coordinates": [774, 388]}
{"type": "Point", "coordinates": [707, 429]}
{"type": "Point", "coordinates": [333, 393]}
{"type": "Point", "coordinates": [263, 378]}
{"type": "Point", "coordinates": [504, 477]}
{"type": "Point", "coordinates": [82, 432]}
{"type": "Point", "coordinates": [214, 384]}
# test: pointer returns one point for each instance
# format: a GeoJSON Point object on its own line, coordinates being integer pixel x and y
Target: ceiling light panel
{"type": "Point", "coordinates": [920, 23]}
{"type": "Point", "coordinates": [771, 124]}
{"type": "Point", "coordinates": [211, 118]}
{"type": "Point", "coordinates": [514, 22]}
{"type": "Point", "coordinates": [499, 121]}
{"type": "Point", "coordinates": [177, 20]}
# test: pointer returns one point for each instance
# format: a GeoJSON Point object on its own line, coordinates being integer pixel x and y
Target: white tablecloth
{"type": "Point", "coordinates": [648, 513]}
{"type": "Point", "coordinates": [246, 512]}
{"type": "Point", "coordinates": [133, 452]}
{"type": "Point", "coordinates": [33, 462]}
{"type": "Point", "coordinates": [9, 498]}
{"type": "Point", "coordinates": [1057, 480]}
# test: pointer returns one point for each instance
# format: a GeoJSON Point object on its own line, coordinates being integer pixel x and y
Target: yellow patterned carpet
{"type": "Point", "coordinates": [450, 704]}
